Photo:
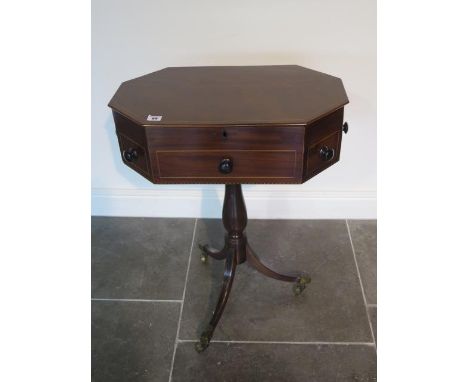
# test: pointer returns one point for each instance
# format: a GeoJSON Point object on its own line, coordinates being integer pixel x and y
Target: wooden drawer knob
{"type": "Point", "coordinates": [327, 153]}
{"type": "Point", "coordinates": [130, 154]}
{"type": "Point", "coordinates": [225, 166]}
{"type": "Point", "coordinates": [345, 128]}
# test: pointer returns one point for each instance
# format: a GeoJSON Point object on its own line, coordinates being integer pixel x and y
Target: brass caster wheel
{"type": "Point", "coordinates": [297, 289]}
{"type": "Point", "coordinates": [203, 255]}
{"type": "Point", "coordinates": [300, 285]}
{"type": "Point", "coordinates": [201, 346]}
{"type": "Point", "coordinates": [204, 340]}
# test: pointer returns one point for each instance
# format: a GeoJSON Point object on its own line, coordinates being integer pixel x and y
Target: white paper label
{"type": "Point", "coordinates": [154, 118]}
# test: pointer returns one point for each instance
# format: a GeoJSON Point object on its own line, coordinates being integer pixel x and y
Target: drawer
{"type": "Point", "coordinates": [324, 127]}
{"type": "Point", "coordinates": [202, 164]}
{"type": "Point", "coordinates": [323, 154]}
{"type": "Point", "coordinates": [133, 154]}
{"type": "Point", "coordinates": [225, 138]}
{"type": "Point", "coordinates": [129, 129]}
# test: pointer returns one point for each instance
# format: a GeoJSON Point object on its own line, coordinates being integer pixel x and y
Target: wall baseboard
{"type": "Point", "coordinates": [262, 203]}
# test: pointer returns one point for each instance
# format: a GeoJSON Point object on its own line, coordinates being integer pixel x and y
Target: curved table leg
{"type": "Point", "coordinates": [229, 271]}
{"type": "Point", "coordinates": [208, 251]}
{"type": "Point", "coordinates": [300, 280]}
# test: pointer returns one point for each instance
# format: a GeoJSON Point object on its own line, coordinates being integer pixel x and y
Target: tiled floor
{"type": "Point", "coordinates": [152, 297]}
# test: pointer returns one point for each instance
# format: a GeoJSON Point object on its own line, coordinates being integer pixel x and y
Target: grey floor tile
{"type": "Point", "coordinates": [273, 362]}
{"type": "Point", "coordinates": [139, 258]}
{"type": "Point", "coordinates": [133, 341]}
{"type": "Point", "coordinates": [364, 235]}
{"type": "Point", "coordinates": [373, 318]}
{"type": "Point", "coordinates": [330, 309]}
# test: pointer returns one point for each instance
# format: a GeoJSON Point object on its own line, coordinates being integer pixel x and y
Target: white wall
{"type": "Point", "coordinates": [132, 38]}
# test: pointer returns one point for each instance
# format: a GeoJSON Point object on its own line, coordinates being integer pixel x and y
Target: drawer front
{"type": "Point", "coordinates": [129, 129]}
{"type": "Point", "coordinates": [205, 164]}
{"type": "Point", "coordinates": [324, 127]}
{"type": "Point", "coordinates": [323, 154]}
{"type": "Point", "coordinates": [225, 138]}
{"type": "Point", "coordinates": [134, 155]}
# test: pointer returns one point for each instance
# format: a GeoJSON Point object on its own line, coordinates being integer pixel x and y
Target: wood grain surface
{"type": "Point", "coordinates": [273, 123]}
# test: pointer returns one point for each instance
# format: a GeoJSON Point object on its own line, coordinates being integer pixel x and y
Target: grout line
{"type": "Point", "coordinates": [360, 282]}
{"type": "Point", "coordinates": [183, 299]}
{"type": "Point", "coordinates": [133, 300]}
{"type": "Point", "coordinates": [372, 305]}
{"type": "Point", "coordinates": [286, 342]}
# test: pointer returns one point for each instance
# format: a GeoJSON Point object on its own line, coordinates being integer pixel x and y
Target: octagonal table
{"type": "Point", "coordinates": [231, 125]}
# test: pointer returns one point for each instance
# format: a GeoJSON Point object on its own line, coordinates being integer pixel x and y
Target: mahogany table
{"type": "Point", "coordinates": [231, 125]}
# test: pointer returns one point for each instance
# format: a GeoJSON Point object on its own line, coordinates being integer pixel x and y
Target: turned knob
{"type": "Point", "coordinates": [225, 166]}
{"type": "Point", "coordinates": [130, 154]}
{"type": "Point", "coordinates": [345, 128]}
{"type": "Point", "coordinates": [327, 153]}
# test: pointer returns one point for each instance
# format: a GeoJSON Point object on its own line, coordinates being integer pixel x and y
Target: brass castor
{"type": "Point", "coordinates": [203, 255]}
{"type": "Point", "coordinates": [300, 284]}
{"type": "Point", "coordinates": [205, 339]}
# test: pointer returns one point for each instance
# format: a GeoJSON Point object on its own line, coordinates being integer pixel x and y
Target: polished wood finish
{"type": "Point", "coordinates": [246, 164]}
{"type": "Point", "coordinates": [260, 155]}
{"type": "Point", "coordinates": [267, 119]}
{"type": "Point", "coordinates": [236, 251]}
{"type": "Point", "coordinates": [230, 95]}
{"type": "Point", "coordinates": [231, 125]}
{"type": "Point", "coordinates": [227, 138]}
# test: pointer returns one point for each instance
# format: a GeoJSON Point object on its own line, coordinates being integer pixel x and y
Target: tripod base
{"type": "Point", "coordinates": [237, 251]}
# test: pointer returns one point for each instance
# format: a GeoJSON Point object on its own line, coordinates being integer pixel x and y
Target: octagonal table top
{"type": "Point", "coordinates": [229, 95]}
